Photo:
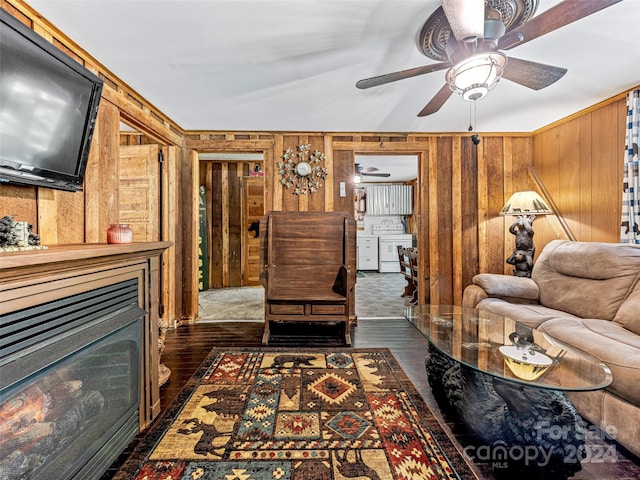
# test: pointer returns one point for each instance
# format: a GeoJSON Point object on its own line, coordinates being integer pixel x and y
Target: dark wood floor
{"type": "Point", "coordinates": [187, 346]}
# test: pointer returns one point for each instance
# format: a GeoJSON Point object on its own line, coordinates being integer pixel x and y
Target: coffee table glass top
{"type": "Point", "coordinates": [506, 349]}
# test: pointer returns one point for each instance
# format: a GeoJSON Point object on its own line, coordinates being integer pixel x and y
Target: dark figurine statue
{"type": "Point", "coordinates": [522, 256]}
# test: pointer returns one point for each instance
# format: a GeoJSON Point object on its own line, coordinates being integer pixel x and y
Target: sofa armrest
{"type": "Point", "coordinates": [472, 295]}
{"type": "Point", "coordinates": [508, 287]}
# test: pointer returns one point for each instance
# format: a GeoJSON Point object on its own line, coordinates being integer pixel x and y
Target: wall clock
{"type": "Point", "coordinates": [302, 169]}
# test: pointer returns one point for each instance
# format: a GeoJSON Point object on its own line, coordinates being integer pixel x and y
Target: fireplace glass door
{"type": "Point", "coordinates": [72, 415]}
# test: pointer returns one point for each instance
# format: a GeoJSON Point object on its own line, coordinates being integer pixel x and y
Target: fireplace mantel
{"type": "Point", "coordinates": [34, 277]}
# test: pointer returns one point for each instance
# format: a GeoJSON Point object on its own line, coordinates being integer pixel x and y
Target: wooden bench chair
{"type": "Point", "coordinates": [413, 262]}
{"type": "Point", "coordinates": [405, 269]}
{"type": "Point", "coordinates": [308, 268]}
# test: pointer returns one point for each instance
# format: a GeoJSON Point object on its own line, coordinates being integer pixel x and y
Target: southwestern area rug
{"type": "Point", "coordinates": [282, 414]}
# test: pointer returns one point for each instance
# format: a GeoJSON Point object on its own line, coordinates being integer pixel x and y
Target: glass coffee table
{"type": "Point", "coordinates": [506, 382]}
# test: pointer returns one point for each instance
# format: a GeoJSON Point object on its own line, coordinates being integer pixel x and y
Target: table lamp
{"type": "Point", "coordinates": [524, 206]}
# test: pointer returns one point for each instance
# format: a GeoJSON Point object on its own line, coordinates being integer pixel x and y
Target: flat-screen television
{"type": "Point", "coordinates": [48, 108]}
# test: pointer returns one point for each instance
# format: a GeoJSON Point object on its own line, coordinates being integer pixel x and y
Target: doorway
{"type": "Point", "coordinates": [379, 179]}
{"type": "Point", "coordinates": [231, 206]}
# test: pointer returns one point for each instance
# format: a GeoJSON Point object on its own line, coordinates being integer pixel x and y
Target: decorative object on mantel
{"type": "Point", "coordinates": [119, 233]}
{"type": "Point", "coordinates": [16, 236]}
{"type": "Point", "coordinates": [525, 206]}
{"type": "Point", "coordinates": [302, 170]}
{"type": "Point", "coordinates": [164, 372]}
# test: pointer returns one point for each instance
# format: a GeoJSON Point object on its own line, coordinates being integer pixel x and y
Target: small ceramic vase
{"type": "Point", "coordinates": [119, 233]}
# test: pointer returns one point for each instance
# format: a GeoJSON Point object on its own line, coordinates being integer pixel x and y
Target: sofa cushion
{"type": "Point", "coordinates": [608, 341]}
{"type": "Point", "coordinates": [586, 279]}
{"type": "Point", "coordinates": [517, 289]}
{"type": "Point", "coordinates": [628, 314]}
{"type": "Point", "coordinates": [530, 315]}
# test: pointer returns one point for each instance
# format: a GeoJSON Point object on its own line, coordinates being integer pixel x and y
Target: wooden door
{"type": "Point", "coordinates": [139, 191]}
{"type": "Point", "coordinates": [252, 211]}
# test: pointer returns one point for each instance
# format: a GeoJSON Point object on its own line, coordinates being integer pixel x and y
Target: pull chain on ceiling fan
{"type": "Point", "coordinates": [465, 36]}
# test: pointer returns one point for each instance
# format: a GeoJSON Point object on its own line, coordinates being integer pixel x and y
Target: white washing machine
{"type": "Point", "coordinates": [389, 237]}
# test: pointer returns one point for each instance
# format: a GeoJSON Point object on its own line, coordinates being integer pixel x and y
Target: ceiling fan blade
{"type": "Point", "coordinates": [437, 101]}
{"type": "Point", "coordinates": [558, 16]}
{"type": "Point", "coordinates": [401, 75]}
{"type": "Point", "coordinates": [465, 17]}
{"type": "Point", "coordinates": [368, 174]}
{"type": "Point", "coordinates": [531, 74]}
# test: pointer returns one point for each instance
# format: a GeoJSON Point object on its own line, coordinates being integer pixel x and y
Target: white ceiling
{"type": "Point", "coordinates": [292, 65]}
{"type": "Point", "coordinates": [402, 168]}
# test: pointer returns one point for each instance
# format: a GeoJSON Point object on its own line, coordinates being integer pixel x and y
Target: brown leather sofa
{"type": "Point", "coordinates": [586, 294]}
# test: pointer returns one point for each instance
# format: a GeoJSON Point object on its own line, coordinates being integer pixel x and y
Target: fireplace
{"type": "Point", "coordinates": [70, 385]}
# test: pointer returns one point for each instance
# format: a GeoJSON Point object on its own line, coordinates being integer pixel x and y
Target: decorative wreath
{"type": "Point", "coordinates": [301, 170]}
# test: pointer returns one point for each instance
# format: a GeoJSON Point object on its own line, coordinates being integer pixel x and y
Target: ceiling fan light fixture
{"type": "Point", "coordinates": [474, 76]}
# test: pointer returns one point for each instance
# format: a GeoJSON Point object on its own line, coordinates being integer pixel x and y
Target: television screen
{"type": "Point", "coordinates": [48, 109]}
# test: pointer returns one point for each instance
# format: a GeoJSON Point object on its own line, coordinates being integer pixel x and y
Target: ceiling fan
{"type": "Point", "coordinates": [370, 171]}
{"type": "Point", "coordinates": [467, 36]}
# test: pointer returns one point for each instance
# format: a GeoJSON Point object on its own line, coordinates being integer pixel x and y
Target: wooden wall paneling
{"type": "Point", "coordinates": [549, 172]}
{"type": "Point", "coordinates": [438, 206]}
{"type": "Point", "coordinates": [468, 204]}
{"type": "Point", "coordinates": [109, 171]}
{"type": "Point", "coordinates": [421, 210]}
{"type": "Point", "coordinates": [516, 161]}
{"type": "Point", "coordinates": [343, 166]}
{"type": "Point", "coordinates": [18, 12]}
{"type": "Point", "coordinates": [444, 199]}
{"type": "Point", "coordinates": [69, 206]}
{"type": "Point", "coordinates": [509, 186]}
{"type": "Point", "coordinates": [205, 173]}
{"type": "Point", "coordinates": [585, 177]}
{"type": "Point", "coordinates": [303, 200]}
{"type": "Point", "coordinates": [179, 221]}
{"type": "Point", "coordinates": [290, 202]}
{"type": "Point", "coordinates": [189, 183]}
{"type": "Point", "coordinates": [520, 149]}
{"type": "Point", "coordinates": [569, 180]}
{"type": "Point", "coordinates": [224, 223]}
{"type": "Point", "coordinates": [253, 211]}
{"type": "Point", "coordinates": [457, 222]}
{"type": "Point", "coordinates": [214, 207]}
{"type": "Point", "coordinates": [139, 191]}
{"type": "Point", "coordinates": [316, 201]}
{"type": "Point", "coordinates": [497, 226]}
{"type": "Point", "coordinates": [235, 226]}
{"type": "Point", "coordinates": [342, 171]}
{"type": "Point", "coordinates": [170, 223]}
{"type": "Point", "coordinates": [103, 179]}
{"type": "Point", "coordinates": [329, 186]}
{"type": "Point", "coordinates": [47, 216]}
{"type": "Point", "coordinates": [91, 219]}
{"type": "Point", "coordinates": [483, 210]}
{"type": "Point", "coordinates": [592, 207]}
{"type": "Point", "coordinates": [228, 142]}
{"type": "Point", "coordinates": [607, 161]}
{"type": "Point", "coordinates": [553, 171]}
{"type": "Point", "coordinates": [271, 185]}
{"type": "Point", "coordinates": [20, 203]}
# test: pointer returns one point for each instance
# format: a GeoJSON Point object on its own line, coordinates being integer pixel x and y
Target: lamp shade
{"type": "Point", "coordinates": [474, 76]}
{"type": "Point", "coordinates": [525, 203]}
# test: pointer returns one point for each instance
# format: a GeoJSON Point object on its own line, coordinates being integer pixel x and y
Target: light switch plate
{"type": "Point", "coordinates": [343, 189]}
